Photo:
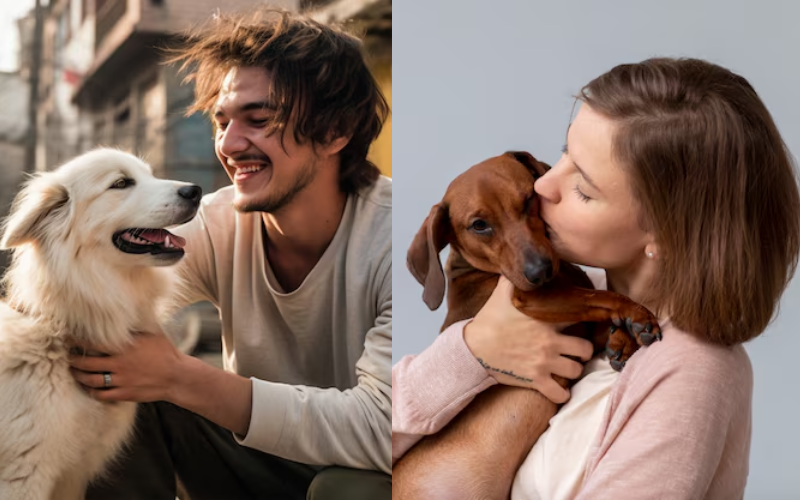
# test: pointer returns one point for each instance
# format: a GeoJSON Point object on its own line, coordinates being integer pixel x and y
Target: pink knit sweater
{"type": "Point", "coordinates": [677, 424]}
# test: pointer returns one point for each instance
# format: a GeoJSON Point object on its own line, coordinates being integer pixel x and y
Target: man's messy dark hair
{"type": "Point", "coordinates": [319, 79]}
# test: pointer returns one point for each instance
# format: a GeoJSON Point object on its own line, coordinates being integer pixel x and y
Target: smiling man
{"type": "Point", "coordinates": [296, 255]}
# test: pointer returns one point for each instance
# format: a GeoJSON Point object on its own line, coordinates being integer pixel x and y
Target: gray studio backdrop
{"type": "Point", "coordinates": [477, 78]}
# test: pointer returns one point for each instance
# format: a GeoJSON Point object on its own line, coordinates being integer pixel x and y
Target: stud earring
{"type": "Point", "coordinates": [649, 255]}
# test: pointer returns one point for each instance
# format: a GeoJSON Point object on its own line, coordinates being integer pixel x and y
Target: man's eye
{"type": "Point", "coordinates": [123, 183]}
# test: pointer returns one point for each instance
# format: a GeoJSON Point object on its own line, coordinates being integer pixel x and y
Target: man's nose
{"type": "Point", "coordinates": [231, 140]}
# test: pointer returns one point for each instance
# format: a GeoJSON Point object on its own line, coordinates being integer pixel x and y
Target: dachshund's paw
{"type": "Point", "coordinates": [640, 324]}
{"type": "Point", "coordinates": [626, 335]}
{"type": "Point", "coordinates": [619, 347]}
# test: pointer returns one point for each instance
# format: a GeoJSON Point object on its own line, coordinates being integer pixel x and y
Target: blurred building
{"type": "Point", "coordinates": [372, 21]}
{"type": "Point", "coordinates": [13, 127]}
{"type": "Point", "coordinates": [102, 83]}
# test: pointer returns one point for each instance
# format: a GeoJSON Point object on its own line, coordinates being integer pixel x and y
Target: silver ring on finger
{"type": "Point", "coordinates": [106, 379]}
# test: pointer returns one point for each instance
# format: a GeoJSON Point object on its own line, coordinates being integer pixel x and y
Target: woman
{"type": "Point", "coordinates": [676, 182]}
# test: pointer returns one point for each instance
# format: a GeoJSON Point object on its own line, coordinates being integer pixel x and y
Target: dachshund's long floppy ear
{"type": "Point", "coordinates": [536, 167]}
{"type": "Point", "coordinates": [423, 255]}
{"type": "Point", "coordinates": [42, 201]}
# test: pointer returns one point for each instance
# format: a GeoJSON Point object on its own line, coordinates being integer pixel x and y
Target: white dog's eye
{"type": "Point", "coordinates": [123, 183]}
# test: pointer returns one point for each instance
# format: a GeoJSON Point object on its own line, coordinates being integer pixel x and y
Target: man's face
{"type": "Point", "coordinates": [265, 176]}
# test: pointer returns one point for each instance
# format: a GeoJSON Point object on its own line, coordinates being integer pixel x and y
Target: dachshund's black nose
{"type": "Point", "coordinates": [538, 270]}
{"type": "Point", "coordinates": [191, 193]}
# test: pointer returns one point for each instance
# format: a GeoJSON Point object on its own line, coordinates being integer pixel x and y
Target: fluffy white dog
{"type": "Point", "coordinates": [88, 263]}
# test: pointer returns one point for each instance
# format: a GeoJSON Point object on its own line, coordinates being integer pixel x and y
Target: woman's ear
{"type": "Point", "coordinates": [651, 251]}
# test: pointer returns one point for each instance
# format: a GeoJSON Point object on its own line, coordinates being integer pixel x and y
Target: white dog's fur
{"type": "Point", "coordinates": [67, 279]}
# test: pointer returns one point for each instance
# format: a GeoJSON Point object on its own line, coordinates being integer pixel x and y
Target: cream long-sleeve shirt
{"type": "Point", "coordinates": [676, 424]}
{"type": "Point", "coordinates": [319, 357]}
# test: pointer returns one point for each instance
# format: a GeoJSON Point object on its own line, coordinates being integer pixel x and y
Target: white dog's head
{"type": "Point", "coordinates": [104, 204]}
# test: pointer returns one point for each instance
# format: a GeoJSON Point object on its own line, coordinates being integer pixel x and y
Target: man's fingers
{"type": "Point", "coordinates": [79, 348]}
{"type": "Point", "coordinates": [94, 380]}
{"type": "Point", "coordinates": [568, 345]}
{"type": "Point", "coordinates": [554, 392]}
{"type": "Point", "coordinates": [91, 363]}
{"type": "Point", "coordinates": [115, 394]}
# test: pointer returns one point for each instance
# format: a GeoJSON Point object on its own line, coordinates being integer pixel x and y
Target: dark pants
{"type": "Point", "coordinates": [211, 465]}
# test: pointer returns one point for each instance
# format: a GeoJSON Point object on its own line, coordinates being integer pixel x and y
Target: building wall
{"type": "Point", "coordinates": [12, 158]}
{"type": "Point", "coordinates": [177, 15]}
{"type": "Point", "coordinates": [381, 151]}
{"type": "Point", "coordinates": [13, 130]}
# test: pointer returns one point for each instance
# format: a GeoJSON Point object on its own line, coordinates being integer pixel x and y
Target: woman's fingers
{"type": "Point", "coordinates": [567, 368]}
{"type": "Point", "coordinates": [567, 345]}
{"type": "Point", "coordinates": [504, 287]}
{"type": "Point", "coordinates": [552, 391]}
{"type": "Point", "coordinates": [500, 300]}
{"type": "Point", "coordinates": [520, 351]}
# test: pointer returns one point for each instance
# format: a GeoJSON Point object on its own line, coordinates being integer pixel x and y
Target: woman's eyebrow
{"type": "Point", "coordinates": [586, 177]}
{"type": "Point", "coordinates": [580, 170]}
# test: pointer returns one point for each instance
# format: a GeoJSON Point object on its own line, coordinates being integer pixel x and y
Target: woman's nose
{"type": "Point", "coordinates": [546, 186]}
{"type": "Point", "coordinates": [231, 140]}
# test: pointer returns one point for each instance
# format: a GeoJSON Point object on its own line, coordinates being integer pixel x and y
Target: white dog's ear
{"type": "Point", "coordinates": [41, 201]}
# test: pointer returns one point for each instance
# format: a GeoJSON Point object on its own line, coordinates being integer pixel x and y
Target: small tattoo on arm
{"type": "Point", "coordinates": [510, 373]}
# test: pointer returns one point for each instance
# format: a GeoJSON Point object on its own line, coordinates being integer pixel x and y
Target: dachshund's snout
{"type": "Point", "coordinates": [538, 270]}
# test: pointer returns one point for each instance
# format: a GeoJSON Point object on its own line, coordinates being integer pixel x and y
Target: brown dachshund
{"type": "Point", "coordinates": [490, 218]}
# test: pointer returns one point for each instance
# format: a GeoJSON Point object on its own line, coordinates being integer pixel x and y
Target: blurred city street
{"type": "Point", "coordinates": [78, 74]}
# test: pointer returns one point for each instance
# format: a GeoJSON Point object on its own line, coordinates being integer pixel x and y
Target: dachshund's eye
{"type": "Point", "coordinates": [480, 226]}
{"type": "Point", "coordinates": [123, 183]}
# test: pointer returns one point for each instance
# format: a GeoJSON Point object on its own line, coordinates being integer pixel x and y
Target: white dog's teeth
{"type": "Point", "coordinates": [166, 242]}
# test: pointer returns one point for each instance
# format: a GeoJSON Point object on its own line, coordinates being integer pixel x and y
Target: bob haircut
{"type": "Point", "coordinates": [715, 184]}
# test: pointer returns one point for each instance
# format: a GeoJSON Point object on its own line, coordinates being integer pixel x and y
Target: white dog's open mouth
{"type": "Point", "coordinates": [152, 241]}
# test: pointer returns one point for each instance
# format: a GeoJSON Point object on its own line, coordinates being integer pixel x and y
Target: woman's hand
{"type": "Point", "coordinates": [518, 350]}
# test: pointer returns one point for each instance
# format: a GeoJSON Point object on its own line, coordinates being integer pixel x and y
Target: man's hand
{"type": "Point", "coordinates": [152, 369]}
{"type": "Point", "coordinates": [145, 371]}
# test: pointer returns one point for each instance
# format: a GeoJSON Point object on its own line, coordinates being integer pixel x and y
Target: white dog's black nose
{"type": "Point", "coordinates": [191, 193]}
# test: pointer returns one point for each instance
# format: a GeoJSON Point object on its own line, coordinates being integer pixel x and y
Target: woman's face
{"type": "Point", "coordinates": [586, 200]}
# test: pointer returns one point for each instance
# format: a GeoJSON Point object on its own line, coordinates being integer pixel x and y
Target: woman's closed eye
{"type": "Point", "coordinates": [581, 194]}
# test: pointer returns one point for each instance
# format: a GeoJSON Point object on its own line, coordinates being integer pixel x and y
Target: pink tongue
{"type": "Point", "coordinates": [154, 235]}
{"type": "Point", "coordinates": [159, 235]}
{"type": "Point", "coordinates": [177, 241]}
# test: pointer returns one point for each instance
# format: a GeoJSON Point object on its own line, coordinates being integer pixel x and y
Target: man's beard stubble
{"type": "Point", "coordinates": [277, 201]}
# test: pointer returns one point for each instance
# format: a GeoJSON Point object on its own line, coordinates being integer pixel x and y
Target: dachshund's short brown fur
{"type": "Point", "coordinates": [490, 218]}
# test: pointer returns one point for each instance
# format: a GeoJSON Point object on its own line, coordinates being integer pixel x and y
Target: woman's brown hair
{"type": "Point", "coordinates": [715, 184]}
{"type": "Point", "coordinates": [319, 78]}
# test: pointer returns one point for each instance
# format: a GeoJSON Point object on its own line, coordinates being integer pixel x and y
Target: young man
{"type": "Point", "coordinates": [297, 257]}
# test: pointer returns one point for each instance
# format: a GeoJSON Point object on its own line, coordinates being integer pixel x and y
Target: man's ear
{"type": "Point", "coordinates": [423, 255]}
{"type": "Point", "coordinates": [536, 167]}
{"type": "Point", "coordinates": [335, 145]}
{"type": "Point", "coordinates": [40, 203]}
